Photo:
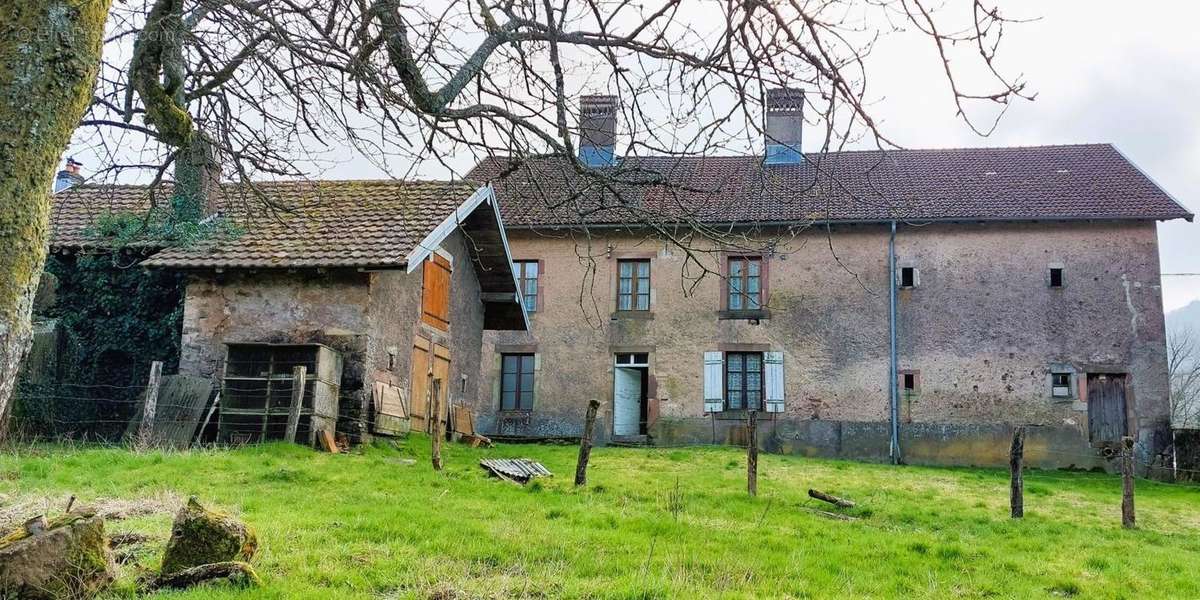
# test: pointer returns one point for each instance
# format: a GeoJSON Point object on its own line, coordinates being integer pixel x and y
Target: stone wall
{"type": "Point", "coordinates": [394, 315]}
{"type": "Point", "coordinates": [983, 328]}
{"type": "Point", "coordinates": [370, 317]}
{"type": "Point", "coordinates": [302, 307]}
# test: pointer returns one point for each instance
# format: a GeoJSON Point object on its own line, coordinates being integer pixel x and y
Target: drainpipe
{"type": "Point", "coordinates": [893, 399]}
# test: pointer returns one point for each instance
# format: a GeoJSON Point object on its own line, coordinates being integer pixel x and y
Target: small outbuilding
{"type": "Point", "coordinates": [381, 290]}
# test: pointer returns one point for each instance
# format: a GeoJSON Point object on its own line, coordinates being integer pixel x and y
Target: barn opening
{"type": "Point", "coordinates": [257, 389]}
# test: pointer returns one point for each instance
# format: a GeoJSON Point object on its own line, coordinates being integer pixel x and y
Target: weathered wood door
{"type": "Point", "coordinates": [1106, 407]}
{"type": "Point", "coordinates": [426, 353]}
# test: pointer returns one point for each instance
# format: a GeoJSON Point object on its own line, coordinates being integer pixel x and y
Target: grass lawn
{"type": "Point", "coordinates": [651, 524]}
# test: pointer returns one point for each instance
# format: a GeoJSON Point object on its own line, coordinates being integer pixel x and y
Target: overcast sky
{"type": "Point", "coordinates": [1102, 73]}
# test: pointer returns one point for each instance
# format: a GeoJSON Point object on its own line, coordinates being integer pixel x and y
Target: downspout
{"type": "Point", "coordinates": [893, 399]}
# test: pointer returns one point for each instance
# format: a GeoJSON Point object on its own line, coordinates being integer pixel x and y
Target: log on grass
{"type": "Point", "coordinates": [834, 500]}
{"type": "Point", "coordinates": [234, 572]}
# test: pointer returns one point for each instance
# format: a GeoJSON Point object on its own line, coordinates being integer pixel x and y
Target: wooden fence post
{"type": "Point", "coordinates": [146, 430]}
{"type": "Point", "coordinates": [1016, 460]}
{"type": "Point", "coordinates": [435, 391]}
{"type": "Point", "coordinates": [299, 373]}
{"type": "Point", "coordinates": [1128, 518]}
{"type": "Point", "coordinates": [585, 443]}
{"type": "Point", "coordinates": [752, 455]}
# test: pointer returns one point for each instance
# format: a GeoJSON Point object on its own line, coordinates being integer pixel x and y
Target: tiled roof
{"type": "Point", "coordinates": [1092, 181]}
{"type": "Point", "coordinates": [312, 224]}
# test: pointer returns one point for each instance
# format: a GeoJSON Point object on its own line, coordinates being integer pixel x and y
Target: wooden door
{"type": "Point", "coordinates": [441, 377]}
{"type": "Point", "coordinates": [1106, 408]}
{"type": "Point", "coordinates": [425, 355]}
{"type": "Point", "coordinates": [418, 385]}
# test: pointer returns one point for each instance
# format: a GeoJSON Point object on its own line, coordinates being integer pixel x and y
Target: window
{"type": "Point", "coordinates": [1056, 277]}
{"type": "Point", "coordinates": [743, 380]}
{"type": "Point", "coordinates": [908, 277]}
{"type": "Point", "coordinates": [634, 359]}
{"type": "Point", "coordinates": [633, 284]}
{"type": "Point", "coordinates": [745, 283]}
{"type": "Point", "coordinates": [1060, 385]}
{"type": "Point", "coordinates": [527, 278]}
{"type": "Point", "coordinates": [910, 382]}
{"type": "Point", "coordinates": [516, 381]}
{"type": "Point", "coordinates": [435, 292]}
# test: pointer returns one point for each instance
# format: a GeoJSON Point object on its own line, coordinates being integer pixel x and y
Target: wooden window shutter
{"type": "Point", "coordinates": [435, 292]}
{"type": "Point", "coordinates": [773, 362]}
{"type": "Point", "coordinates": [714, 381]}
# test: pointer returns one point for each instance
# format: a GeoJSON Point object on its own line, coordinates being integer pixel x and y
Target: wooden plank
{"type": "Point", "coordinates": [328, 443]}
{"type": "Point", "coordinates": [151, 402]}
{"type": "Point", "coordinates": [208, 418]}
{"type": "Point", "coordinates": [299, 377]}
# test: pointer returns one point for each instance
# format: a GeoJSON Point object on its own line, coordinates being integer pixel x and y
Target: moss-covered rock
{"type": "Point", "coordinates": [201, 536]}
{"type": "Point", "coordinates": [69, 559]}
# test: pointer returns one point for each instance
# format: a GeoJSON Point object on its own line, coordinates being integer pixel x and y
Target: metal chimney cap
{"type": "Point", "coordinates": [784, 100]}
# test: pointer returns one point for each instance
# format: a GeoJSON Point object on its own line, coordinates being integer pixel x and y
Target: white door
{"type": "Point", "coordinates": [627, 400]}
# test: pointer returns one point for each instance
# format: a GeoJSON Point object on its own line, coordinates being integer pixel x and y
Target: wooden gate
{"type": "Point", "coordinates": [1106, 408]}
{"type": "Point", "coordinates": [420, 402]}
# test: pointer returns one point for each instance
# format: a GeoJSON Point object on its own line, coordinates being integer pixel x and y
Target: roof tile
{"type": "Point", "coordinates": [1093, 181]}
{"type": "Point", "coordinates": [291, 224]}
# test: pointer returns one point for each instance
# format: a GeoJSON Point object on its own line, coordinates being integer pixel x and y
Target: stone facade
{"type": "Point", "coordinates": [371, 318]}
{"type": "Point", "coordinates": [981, 333]}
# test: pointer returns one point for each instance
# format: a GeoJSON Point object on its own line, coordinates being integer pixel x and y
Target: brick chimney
{"type": "Point", "coordinates": [68, 177]}
{"type": "Point", "coordinates": [597, 130]}
{"type": "Point", "coordinates": [784, 125]}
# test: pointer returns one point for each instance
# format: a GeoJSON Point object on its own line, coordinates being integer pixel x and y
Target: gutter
{"type": "Point", "coordinates": [893, 397]}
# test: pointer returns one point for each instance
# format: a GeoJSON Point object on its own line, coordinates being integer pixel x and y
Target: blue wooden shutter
{"type": "Point", "coordinates": [714, 381]}
{"type": "Point", "coordinates": [774, 381]}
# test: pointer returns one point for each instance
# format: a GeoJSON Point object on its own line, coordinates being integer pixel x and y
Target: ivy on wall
{"type": "Point", "coordinates": [114, 317]}
{"type": "Point", "coordinates": [109, 305]}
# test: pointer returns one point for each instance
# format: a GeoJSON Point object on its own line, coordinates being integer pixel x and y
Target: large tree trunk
{"type": "Point", "coordinates": [49, 55]}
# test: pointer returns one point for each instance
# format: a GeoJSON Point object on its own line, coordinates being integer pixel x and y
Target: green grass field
{"type": "Point", "coordinates": [651, 524]}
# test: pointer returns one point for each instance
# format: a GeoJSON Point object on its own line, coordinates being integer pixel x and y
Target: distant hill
{"type": "Point", "coordinates": [1187, 317]}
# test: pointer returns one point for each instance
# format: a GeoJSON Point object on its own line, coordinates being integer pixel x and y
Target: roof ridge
{"type": "Point", "coordinates": [462, 182]}
{"type": "Point", "coordinates": [853, 151]}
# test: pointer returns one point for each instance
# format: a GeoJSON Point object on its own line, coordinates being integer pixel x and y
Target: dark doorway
{"type": "Point", "coordinates": [1107, 422]}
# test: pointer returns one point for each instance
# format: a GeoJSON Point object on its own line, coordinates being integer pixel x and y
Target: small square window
{"type": "Point", "coordinates": [1060, 385]}
{"type": "Point", "coordinates": [1056, 277]}
{"type": "Point", "coordinates": [910, 382]}
{"type": "Point", "coordinates": [908, 277]}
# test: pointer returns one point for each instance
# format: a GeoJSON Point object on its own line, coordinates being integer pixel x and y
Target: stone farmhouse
{"type": "Point", "coordinates": [912, 304]}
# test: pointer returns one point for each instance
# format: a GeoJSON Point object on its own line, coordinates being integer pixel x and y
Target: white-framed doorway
{"type": "Point", "coordinates": [631, 373]}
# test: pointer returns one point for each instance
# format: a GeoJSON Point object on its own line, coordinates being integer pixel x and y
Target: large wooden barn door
{"type": "Point", "coordinates": [1106, 408]}
{"type": "Point", "coordinates": [424, 353]}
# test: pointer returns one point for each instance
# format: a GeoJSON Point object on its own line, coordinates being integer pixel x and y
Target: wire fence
{"type": "Point", "coordinates": [107, 413]}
